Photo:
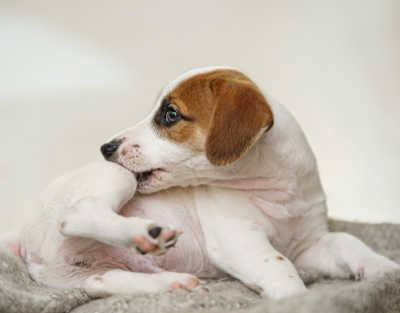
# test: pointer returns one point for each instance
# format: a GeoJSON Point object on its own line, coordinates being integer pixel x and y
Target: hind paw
{"type": "Point", "coordinates": [157, 241]}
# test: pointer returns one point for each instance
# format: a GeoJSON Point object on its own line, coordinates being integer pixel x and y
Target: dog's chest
{"type": "Point", "coordinates": [189, 254]}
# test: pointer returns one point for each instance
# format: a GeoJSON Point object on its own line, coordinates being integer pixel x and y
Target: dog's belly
{"type": "Point", "coordinates": [188, 256]}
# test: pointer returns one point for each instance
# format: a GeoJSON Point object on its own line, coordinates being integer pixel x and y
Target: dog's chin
{"type": "Point", "coordinates": [148, 180]}
{"type": "Point", "coordinates": [147, 189]}
{"type": "Point", "coordinates": [151, 187]}
{"type": "Point", "coordinates": [157, 182]}
{"type": "Point", "coordinates": [151, 180]}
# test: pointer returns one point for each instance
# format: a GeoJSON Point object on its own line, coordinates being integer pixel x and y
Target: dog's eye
{"type": "Point", "coordinates": [171, 116]}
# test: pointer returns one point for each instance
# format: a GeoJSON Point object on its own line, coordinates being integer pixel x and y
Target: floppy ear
{"type": "Point", "coordinates": [240, 113]}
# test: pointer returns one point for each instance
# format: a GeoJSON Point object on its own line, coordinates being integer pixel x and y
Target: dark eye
{"type": "Point", "coordinates": [171, 116]}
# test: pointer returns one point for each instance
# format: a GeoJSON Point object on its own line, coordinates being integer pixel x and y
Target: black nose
{"type": "Point", "coordinates": [109, 148]}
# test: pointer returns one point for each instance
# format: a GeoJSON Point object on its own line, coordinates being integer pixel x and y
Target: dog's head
{"type": "Point", "coordinates": [204, 122]}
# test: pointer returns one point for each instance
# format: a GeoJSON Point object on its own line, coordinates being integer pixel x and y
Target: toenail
{"type": "Point", "coordinates": [63, 224]}
{"type": "Point", "coordinates": [155, 231]}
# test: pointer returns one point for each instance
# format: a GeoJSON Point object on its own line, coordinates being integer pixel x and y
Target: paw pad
{"type": "Point", "coordinates": [189, 285]}
{"type": "Point", "coordinates": [98, 278]}
{"type": "Point", "coordinates": [157, 241]}
{"type": "Point", "coordinates": [154, 232]}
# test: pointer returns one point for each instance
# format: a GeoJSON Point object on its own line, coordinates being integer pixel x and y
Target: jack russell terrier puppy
{"type": "Point", "coordinates": [217, 160]}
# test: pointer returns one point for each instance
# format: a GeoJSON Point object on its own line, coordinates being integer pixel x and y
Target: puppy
{"type": "Point", "coordinates": [217, 160]}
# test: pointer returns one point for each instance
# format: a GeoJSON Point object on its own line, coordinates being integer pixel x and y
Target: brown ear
{"type": "Point", "coordinates": [240, 112]}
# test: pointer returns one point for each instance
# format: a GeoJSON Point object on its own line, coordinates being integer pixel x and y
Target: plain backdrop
{"type": "Point", "coordinates": [73, 73]}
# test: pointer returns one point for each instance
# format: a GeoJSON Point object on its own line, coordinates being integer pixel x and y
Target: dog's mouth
{"type": "Point", "coordinates": [143, 177]}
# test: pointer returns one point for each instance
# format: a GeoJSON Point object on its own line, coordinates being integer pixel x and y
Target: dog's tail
{"type": "Point", "coordinates": [11, 243]}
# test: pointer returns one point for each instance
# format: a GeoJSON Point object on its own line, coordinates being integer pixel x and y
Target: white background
{"type": "Point", "coordinates": [72, 73]}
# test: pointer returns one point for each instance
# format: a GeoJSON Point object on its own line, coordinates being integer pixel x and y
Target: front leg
{"type": "Point", "coordinates": [248, 256]}
{"type": "Point", "coordinates": [93, 218]}
{"type": "Point", "coordinates": [340, 255]}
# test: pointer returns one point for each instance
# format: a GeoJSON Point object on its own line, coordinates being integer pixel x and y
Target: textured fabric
{"type": "Point", "coordinates": [18, 293]}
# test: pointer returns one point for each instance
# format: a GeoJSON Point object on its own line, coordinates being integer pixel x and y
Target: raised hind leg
{"type": "Point", "coordinates": [93, 219]}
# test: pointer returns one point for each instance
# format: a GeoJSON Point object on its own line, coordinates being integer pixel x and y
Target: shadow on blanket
{"type": "Point", "coordinates": [18, 293]}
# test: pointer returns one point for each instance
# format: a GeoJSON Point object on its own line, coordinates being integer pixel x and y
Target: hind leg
{"type": "Point", "coordinates": [342, 255]}
{"type": "Point", "coordinates": [124, 282]}
{"type": "Point", "coordinates": [93, 219]}
{"type": "Point", "coordinates": [95, 268]}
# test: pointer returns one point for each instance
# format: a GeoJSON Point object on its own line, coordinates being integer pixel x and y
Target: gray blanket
{"type": "Point", "coordinates": [18, 293]}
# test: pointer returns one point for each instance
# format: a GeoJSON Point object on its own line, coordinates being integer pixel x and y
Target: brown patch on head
{"type": "Point", "coordinates": [194, 100]}
{"type": "Point", "coordinates": [222, 112]}
{"type": "Point", "coordinates": [280, 258]}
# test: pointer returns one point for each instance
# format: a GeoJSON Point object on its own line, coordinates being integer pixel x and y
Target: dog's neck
{"type": "Point", "coordinates": [279, 173]}
{"type": "Point", "coordinates": [276, 186]}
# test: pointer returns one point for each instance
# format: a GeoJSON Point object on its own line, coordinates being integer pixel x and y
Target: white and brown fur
{"type": "Point", "coordinates": [235, 175]}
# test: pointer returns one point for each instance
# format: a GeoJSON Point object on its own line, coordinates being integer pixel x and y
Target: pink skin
{"type": "Point", "coordinates": [192, 284]}
{"type": "Point", "coordinates": [78, 258]}
{"type": "Point", "coordinates": [189, 254]}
